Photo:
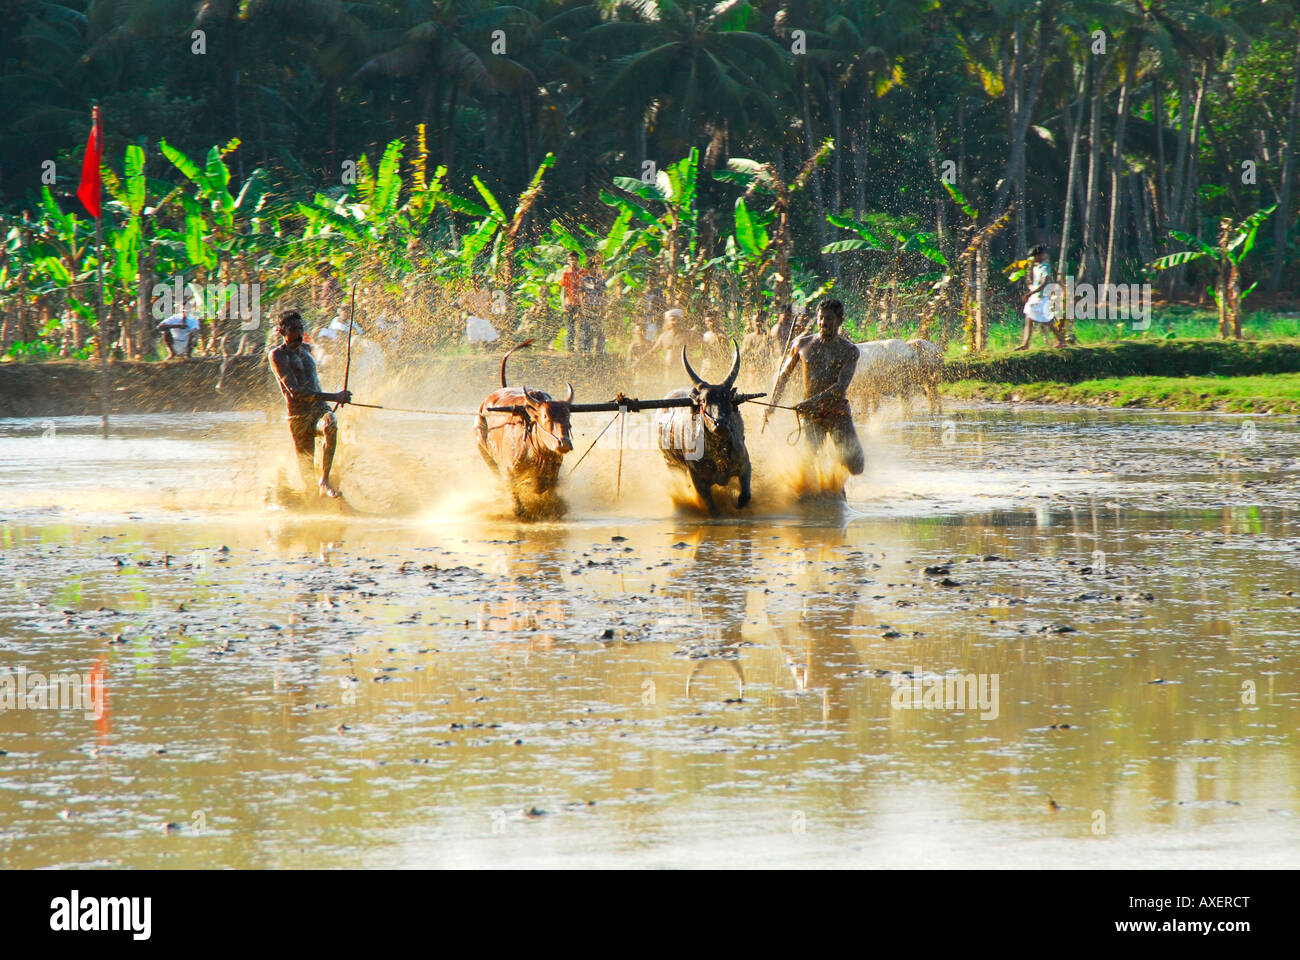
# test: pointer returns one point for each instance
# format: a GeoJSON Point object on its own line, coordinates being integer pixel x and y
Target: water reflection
{"type": "Point", "coordinates": [331, 691]}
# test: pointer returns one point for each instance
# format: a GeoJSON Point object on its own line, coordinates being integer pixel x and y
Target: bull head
{"type": "Point", "coordinates": [550, 420]}
{"type": "Point", "coordinates": [716, 400]}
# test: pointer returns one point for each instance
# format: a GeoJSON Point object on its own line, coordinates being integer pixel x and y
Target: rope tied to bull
{"type": "Point", "coordinates": [594, 442]}
{"type": "Point", "coordinates": [794, 435]}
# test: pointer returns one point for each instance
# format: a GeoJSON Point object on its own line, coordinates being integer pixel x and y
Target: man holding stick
{"type": "Point", "coordinates": [828, 361]}
{"type": "Point", "coordinates": [309, 413]}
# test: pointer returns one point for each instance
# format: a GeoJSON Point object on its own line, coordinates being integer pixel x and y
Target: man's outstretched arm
{"type": "Point", "coordinates": [782, 377]}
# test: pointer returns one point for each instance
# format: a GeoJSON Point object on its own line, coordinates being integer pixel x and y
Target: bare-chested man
{"type": "Point", "coordinates": [638, 346]}
{"type": "Point", "coordinates": [673, 338]}
{"type": "Point", "coordinates": [828, 362]}
{"type": "Point", "coordinates": [309, 412]}
{"type": "Point", "coordinates": [757, 345]}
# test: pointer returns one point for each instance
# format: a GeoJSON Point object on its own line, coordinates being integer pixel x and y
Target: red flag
{"type": "Point", "coordinates": [91, 185]}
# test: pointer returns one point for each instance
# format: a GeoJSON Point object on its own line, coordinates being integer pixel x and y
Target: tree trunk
{"type": "Point", "coordinates": [1234, 299]}
{"type": "Point", "coordinates": [528, 144]}
{"type": "Point", "coordinates": [861, 144]}
{"type": "Point", "coordinates": [1282, 218]}
{"type": "Point", "coordinates": [1187, 197]}
{"type": "Point", "coordinates": [1173, 212]}
{"type": "Point", "coordinates": [1225, 322]}
{"type": "Point", "coordinates": [1088, 266]}
{"type": "Point", "coordinates": [1141, 226]}
{"type": "Point", "coordinates": [144, 299]}
{"type": "Point", "coordinates": [1184, 143]}
{"type": "Point", "coordinates": [815, 176]}
{"type": "Point", "coordinates": [449, 145]}
{"type": "Point", "coordinates": [1071, 185]}
{"type": "Point", "coordinates": [981, 298]}
{"type": "Point", "coordinates": [836, 157]}
{"type": "Point", "coordinates": [1117, 156]}
{"type": "Point", "coordinates": [1161, 197]}
{"type": "Point", "coordinates": [232, 86]}
{"type": "Point", "coordinates": [961, 141]}
{"type": "Point", "coordinates": [332, 129]}
{"type": "Point", "coordinates": [1022, 241]}
{"type": "Point", "coordinates": [1024, 113]}
{"type": "Point", "coordinates": [940, 195]}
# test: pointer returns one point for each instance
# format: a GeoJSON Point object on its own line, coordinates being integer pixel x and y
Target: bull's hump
{"type": "Point", "coordinates": [867, 345]}
{"type": "Point", "coordinates": [505, 397]}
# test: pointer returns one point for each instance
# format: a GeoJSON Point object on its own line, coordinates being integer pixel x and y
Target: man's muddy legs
{"type": "Point", "coordinates": [848, 446]}
{"type": "Point", "coordinates": [329, 431]}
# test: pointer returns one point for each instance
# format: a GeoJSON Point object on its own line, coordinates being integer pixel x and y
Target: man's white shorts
{"type": "Point", "coordinates": [1040, 312]}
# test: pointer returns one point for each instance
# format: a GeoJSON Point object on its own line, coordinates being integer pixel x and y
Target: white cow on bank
{"type": "Point", "coordinates": [897, 368]}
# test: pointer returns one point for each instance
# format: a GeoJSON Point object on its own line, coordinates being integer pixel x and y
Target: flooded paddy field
{"type": "Point", "coordinates": [432, 683]}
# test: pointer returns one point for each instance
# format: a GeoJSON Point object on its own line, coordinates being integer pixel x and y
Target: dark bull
{"type": "Point", "coordinates": [523, 436]}
{"type": "Point", "coordinates": [707, 440]}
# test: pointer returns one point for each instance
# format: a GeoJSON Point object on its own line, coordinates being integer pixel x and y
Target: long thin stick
{"type": "Point", "coordinates": [593, 443]}
{"type": "Point", "coordinates": [98, 133]}
{"type": "Point", "coordinates": [622, 426]}
{"type": "Point", "coordinates": [789, 338]}
{"type": "Point", "coordinates": [352, 314]}
{"type": "Point", "coordinates": [103, 326]}
{"type": "Point", "coordinates": [352, 319]}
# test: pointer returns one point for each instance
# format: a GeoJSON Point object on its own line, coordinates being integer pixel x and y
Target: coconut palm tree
{"type": "Point", "coordinates": [447, 55]}
{"type": "Point", "coordinates": [691, 66]}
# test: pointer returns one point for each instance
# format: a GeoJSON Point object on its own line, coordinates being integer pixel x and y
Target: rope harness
{"type": "Point", "coordinates": [593, 443]}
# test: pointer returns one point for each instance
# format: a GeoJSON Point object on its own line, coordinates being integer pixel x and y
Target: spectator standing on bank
{"type": "Point", "coordinates": [593, 308]}
{"type": "Point", "coordinates": [571, 299]}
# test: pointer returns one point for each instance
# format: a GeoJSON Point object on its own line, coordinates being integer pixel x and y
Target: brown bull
{"type": "Point", "coordinates": [526, 443]}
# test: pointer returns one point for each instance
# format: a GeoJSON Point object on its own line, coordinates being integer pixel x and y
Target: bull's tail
{"type": "Point", "coordinates": [517, 346]}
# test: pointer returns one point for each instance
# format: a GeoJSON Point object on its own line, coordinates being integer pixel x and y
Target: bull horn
{"type": "Point", "coordinates": [517, 346]}
{"type": "Point", "coordinates": [695, 377]}
{"type": "Point", "coordinates": [735, 367]}
{"type": "Point", "coordinates": [530, 396]}
{"type": "Point", "coordinates": [569, 396]}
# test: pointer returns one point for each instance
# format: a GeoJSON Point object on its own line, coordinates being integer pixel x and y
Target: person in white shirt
{"type": "Point", "coordinates": [323, 345]}
{"type": "Point", "coordinates": [1039, 306]}
{"type": "Point", "coordinates": [181, 331]}
{"type": "Point", "coordinates": [477, 304]}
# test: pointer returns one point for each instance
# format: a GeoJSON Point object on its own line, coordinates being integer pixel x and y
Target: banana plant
{"type": "Point", "coordinates": [676, 230]}
{"type": "Point", "coordinates": [762, 179]}
{"type": "Point", "coordinates": [17, 288]}
{"type": "Point", "coordinates": [220, 228]}
{"type": "Point", "coordinates": [497, 232]}
{"type": "Point", "coordinates": [63, 261]}
{"type": "Point", "coordinates": [222, 210]}
{"type": "Point", "coordinates": [747, 252]}
{"type": "Point", "coordinates": [891, 235]}
{"type": "Point", "coordinates": [1236, 240]}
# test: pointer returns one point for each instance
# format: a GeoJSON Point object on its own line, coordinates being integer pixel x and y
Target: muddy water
{"type": "Point", "coordinates": [439, 685]}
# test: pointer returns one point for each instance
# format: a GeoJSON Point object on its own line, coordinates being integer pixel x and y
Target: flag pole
{"type": "Point", "coordinates": [99, 264]}
{"type": "Point", "coordinates": [103, 332]}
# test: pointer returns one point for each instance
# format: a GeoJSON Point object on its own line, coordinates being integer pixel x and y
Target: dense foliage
{"type": "Point", "coordinates": [743, 153]}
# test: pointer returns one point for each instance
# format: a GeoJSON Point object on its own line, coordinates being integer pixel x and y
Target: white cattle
{"type": "Point", "coordinates": [897, 368]}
